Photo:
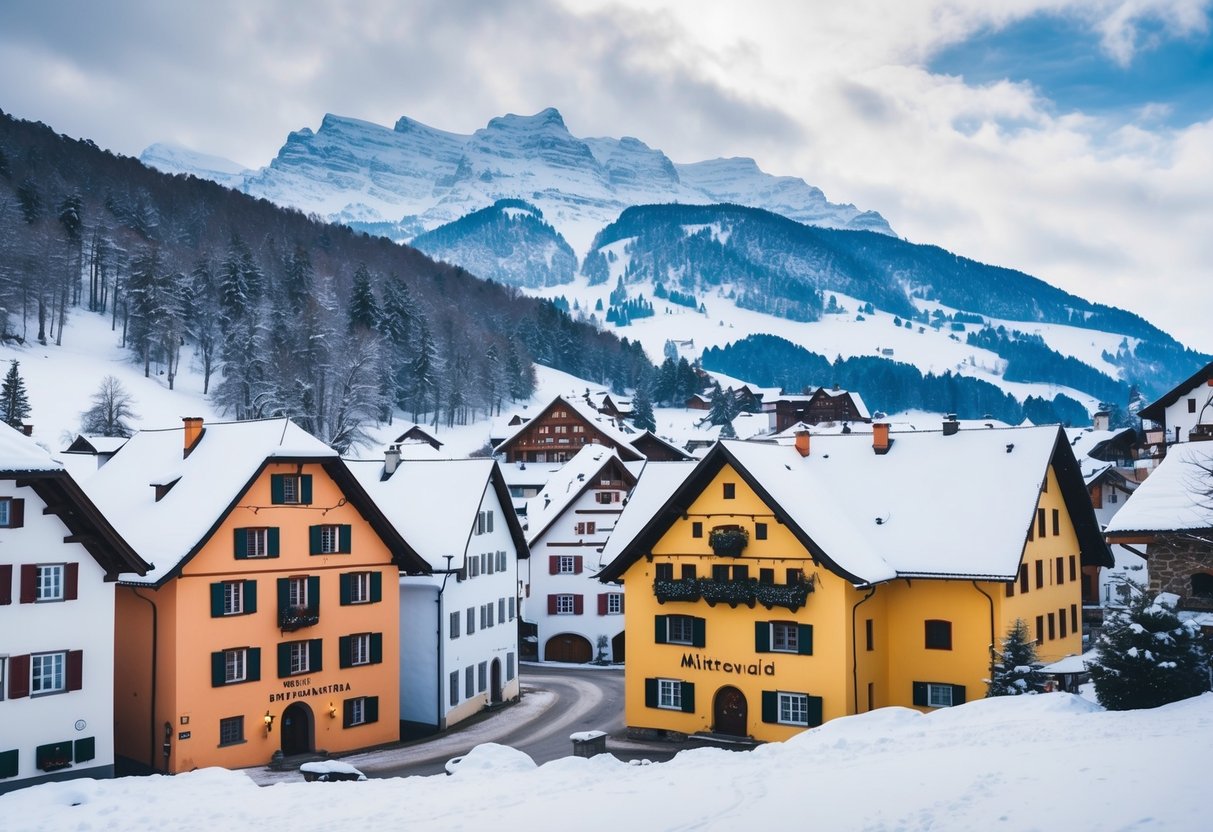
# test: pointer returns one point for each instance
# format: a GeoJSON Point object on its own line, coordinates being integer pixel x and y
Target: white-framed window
{"type": "Point", "coordinates": [231, 730]}
{"type": "Point", "coordinates": [615, 603]}
{"type": "Point", "coordinates": [360, 587]}
{"type": "Point", "coordinates": [794, 708]}
{"type": "Point", "coordinates": [256, 543]}
{"type": "Point", "coordinates": [360, 649]}
{"type": "Point", "coordinates": [233, 597]}
{"type": "Point", "coordinates": [235, 665]}
{"type": "Point", "coordinates": [784, 637]}
{"type": "Point", "coordinates": [939, 696]}
{"type": "Point", "coordinates": [680, 629]}
{"type": "Point", "coordinates": [300, 657]}
{"type": "Point", "coordinates": [329, 540]}
{"type": "Point", "coordinates": [47, 673]}
{"type": "Point", "coordinates": [297, 592]}
{"type": "Point", "coordinates": [49, 586]}
{"type": "Point", "coordinates": [669, 694]}
{"type": "Point", "coordinates": [290, 489]}
{"type": "Point", "coordinates": [564, 605]}
{"type": "Point", "coordinates": [455, 626]}
{"type": "Point", "coordinates": [357, 711]}
{"type": "Point", "coordinates": [473, 566]}
{"type": "Point", "coordinates": [567, 565]}
{"type": "Point", "coordinates": [502, 562]}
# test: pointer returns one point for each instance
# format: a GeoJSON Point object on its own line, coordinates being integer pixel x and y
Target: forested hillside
{"type": "Point", "coordinates": [286, 314]}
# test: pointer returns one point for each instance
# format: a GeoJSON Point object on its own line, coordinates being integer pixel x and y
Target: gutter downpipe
{"type": "Point", "coordinates": [855, 649]}
{"type": "Point", "coordinates": [438, 646]}
{"type": "Point", "coordinates": [991, 600]}
{"type": "Point", "coordinates": [151, 725]}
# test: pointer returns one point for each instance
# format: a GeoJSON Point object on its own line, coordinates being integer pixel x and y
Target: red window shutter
{"type": "Point", "coordinates": [602, 603]}
{"type": "Point", "coordinates": [578, 604]}
{"type": "Point", "coordinates": [6, 583]}
{"type": "Point", "coordinates": [18, 676]}
{"type": "Point", "coordinates": [75, 669]}
{"type": "Point", "coordinates": [29, 583]}
{"type": "Point", "coordinates": [71, 581]}
{"type": "Point", "coordinates": [551, 605]}
{"type": "Point", "coordinates": [16, 513]}
{"type": "Point", "coordinates": [577, 565]}
{"type": "Point", "coordinates": [554, 565]}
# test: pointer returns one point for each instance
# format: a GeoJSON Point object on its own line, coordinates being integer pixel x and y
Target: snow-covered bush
{"type": "Point", "coordinates": [1016, 669]}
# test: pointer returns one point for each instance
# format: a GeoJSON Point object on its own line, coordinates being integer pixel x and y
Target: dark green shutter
{"type": "Point", "coordinates": [376, 587]}
{"type": "Point", "coordinates": [688, 697]}
{"type": "Point", "coordinates": [699, 632]}
{"type": "Point", "coordinates": [958, 694]}
{"type": "Point", "coordinates": [272, 542]}
{"type": "Point", "coordinates": [344, 659]}
{"type": "Point", "coordinates": [241, 543]}
{"type": "Point", "coordinates": [8, 764]}
{"type": "Point", "coordinates": [284, 596]}
{"type": "Point", "coordinates": [313, 594]}
{"type": "Point", "coordinates": [347, 713]}
{"type": "Point", "coordinates": [661, 631]}
{"type": "Point", "coordinates": [218, 672]}
{"type": "Point", "coordinates": [315, 655]}
{"type": "Point", "coordinates": [305, 489]}
{"type": "Point", "coordinates": [85, 749]}
{"type": "Point", "coordinates": [284, 660]}
{"type": "Point", "coordinates": [250, 596]}
{"type": "Point", "coordinates": [252, 666]}
{"type": "Point", "coordinates": [814, 711]}
{"type": "Point", "coordinates": [650, 693]}
{"type": "Point", "coordinates": [370, 710]}
{"type": "Point", "coordinates": [277, 496]}
{"type": "Point", "coordinates": [770, 706]}
{"type": "Point", "coordinates": [376, 648]}
{"type": "Point", "coordinates": [217, 600]}
{"type": "Point", "coordinates": [313, 537]}
{"type": "Point", "coordinates": [762, 637]}
{"type": "Point", "coordinates": [344, 586]}
{"type": "Point", "coordinates": [344, 542]}
{"type": "Point", "coordinates": [804, 639]}
{"type": "Point", "coordinates": [920, 693]}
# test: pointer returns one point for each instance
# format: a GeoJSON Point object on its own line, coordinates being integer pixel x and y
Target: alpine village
{"type": "Point", "coordinates": [377, 491]}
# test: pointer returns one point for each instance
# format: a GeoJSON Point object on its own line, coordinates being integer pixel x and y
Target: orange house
{"type": "Point", "coordinates": [270, 618]}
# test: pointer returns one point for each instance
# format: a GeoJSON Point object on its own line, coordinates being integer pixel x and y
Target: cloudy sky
{"type": "Point", "coordinates": [1073, 140]}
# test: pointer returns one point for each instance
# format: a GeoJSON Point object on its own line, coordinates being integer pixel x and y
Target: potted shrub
{"type": "Point", "coordinates": [728, 541]}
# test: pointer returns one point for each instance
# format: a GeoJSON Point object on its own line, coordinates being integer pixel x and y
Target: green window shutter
{"type": "Point", "coordinates": [241, 544]}
{"type": "Point", "coordinates": [305, 489]}
{"type": "Point", "coordinates": [688, 697]}
{"type": "Point", "coordinates": [920, 693]}
{"type": "Point", "coordinates": [276, 490]}
{"type": "Point", "coordinates": [343, 582]}
{"type": "Point", "coordinates": [344, 539]}
{"type": "Point", "coordinates": [85, 749]}
{"type": "Point", "coordinates": [284, 595]}
{"type": "Point", "coordinates": [218, 672]}
{"type": "Point", "coordinates": [8, 764]}
{"type": "Point", "coordinates": [661, 632]}
{"type": "Point", "coordinates": [347, 713]}
{"type": "Point", "coordinates": [762, 637]}
{"type": "Point", "coordinates": [284, 660]}
{"type": "Point", "coordinates": [699, 632]}
{"type": "Point", "coordinates": [252, 667]}
{"type": "Point", "coordinates": [770, 706]}
{"type": "Point", "coordinates": [272, 538]}
{"type": "Point", "coordinates": [216, 600]}
{"type": "Point", "coordinates": [958, 694]}
{"type": "Point", "coordinates": [370, 711]}
{"type": "Point", "coordinates": [376, 648]}
{"type": "Point", "coordinates": [344, 659]}
{"type": "Point", "coordinates": [313, 593]}
{"type": "Point", "coordinates": [650, 692]}
{"type": "Point", "coordinates": [315, 655]}
{"type": "Point", "coordinates": [376, 587]}
{"type": "Point", "coordinates": [313, 538]}
{"type": "Point", "coordinates": [814, 711]}
{"type": "Point", "coordinates": [250, 597]}
{"type": "Point", "coordinates": [804, 639]}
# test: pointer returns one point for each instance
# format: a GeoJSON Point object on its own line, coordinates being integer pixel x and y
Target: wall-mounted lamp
{"type": "Point", "coordinates": [269, 722]}
{"type": "Point", "coordinates": [332, 711]}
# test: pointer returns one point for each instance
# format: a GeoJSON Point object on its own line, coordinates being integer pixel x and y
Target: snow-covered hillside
{"type": "Point", "coordinates": [1053, 761]}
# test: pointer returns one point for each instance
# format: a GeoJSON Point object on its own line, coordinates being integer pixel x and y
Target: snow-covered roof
{"type": "Point", "coordinates": [1174, 497]}
{"type": "Point", "coordinates": [657, 483]}
{"type": "Point", "coordinates": [934, 505]}
{"type": "Point", "coordinates": [95, 444]}
{"type": "Point", "coordinates": [221, 465]}
{"type": "Point", "coordinates": [18, 452]}
{"type": "Point", "coordinates": [620, 436]}
{"type": "Point", "coordinates": [564, 486]}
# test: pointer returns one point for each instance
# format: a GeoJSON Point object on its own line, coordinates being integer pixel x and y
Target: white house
{"type": "Point", "coordinates": [57, 557]}
{"type": "Point", "coordinates": [458, 626]}
{"type": "Point", "coordinates": [1185, 412]}
{"type": "Point", "coordinates": [577, 619]}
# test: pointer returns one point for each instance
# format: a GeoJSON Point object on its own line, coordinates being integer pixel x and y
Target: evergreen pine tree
{"type": "Point", "coordinates": [1148, 657]}
{"type": "Point", "coordinates": [1016, 669]}
{"type": "Point", "coordinates": [364, 310]}
{"type": "Point", "coordinates": [14, 404]}
{"type": "Point", "coordinates": [642, 409]}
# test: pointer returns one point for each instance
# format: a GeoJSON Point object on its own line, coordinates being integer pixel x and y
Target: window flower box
{"type": "Point", "coordinates": [732, 592]}
{"type": "Point", "coordinates": [676, 590]}
{"type": "Point", "coordinates": [728, 541]}
{"type": "Point", "coordinates": [55, 763]}
{"type": "Point", "coordinates": [296, 618]}
{"type": "Point", "coordinates": [793, 596]}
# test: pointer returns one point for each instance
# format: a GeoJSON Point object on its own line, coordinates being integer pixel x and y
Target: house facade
{"type": "Point", "coordinates": [560, 430]}
{"type": "Point", "coordinates": [822, 405]}
{"type": "Point", "coordinates": [773, 588]}
{"type": "Point", "coordinates": [58, 560]}
{"type": "Point", "coordinates": [458, 630]}
{"type": "Point", "coordinates": [1185, 413]}
{"type": "Point", "coordinates": [270, 621]}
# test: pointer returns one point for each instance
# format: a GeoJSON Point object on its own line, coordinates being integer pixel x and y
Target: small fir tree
{"type": "Point", "coordinates": [1016, 669]}
{"type": "Point", "coordinates": [642, 410]}
{"type": "Point", "coordinates": [14, 404]}
{"type": "Point", "coordinates": [1148, 657]}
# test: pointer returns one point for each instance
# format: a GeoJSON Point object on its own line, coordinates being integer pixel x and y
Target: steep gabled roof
{"type": "Point", "coordinates": [1155, 411]}
{"type": "Point", "coordinates": [569, 483]}
{"type": "Point", "coordinates": [1174, 498]}
{"type": "Point", "coordinates": [592, 417]}
{"type": "Point", "coordinates": [649, 436]}
{"type": "Point", "coordinates": [93, 445]}
{"type": "Point", "coordinates": [956, 506]}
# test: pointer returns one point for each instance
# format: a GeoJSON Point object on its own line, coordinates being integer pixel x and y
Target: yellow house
{"type": "Point", "coordinates": [771, 587]}
{"type": "Point", "coordinates": [270, 618]}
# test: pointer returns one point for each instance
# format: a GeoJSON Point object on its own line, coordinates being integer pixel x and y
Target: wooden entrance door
{"type": "Point", "coordinates": [296, 729]}
{"type": "Point", "coordinates": [617, 648]}
{"type": "Point", "coordinates": [495, 682]}
{"type": "Point", "coordinates": [729, 712]}
{"type": "Point", "coordinates": [568, 647]}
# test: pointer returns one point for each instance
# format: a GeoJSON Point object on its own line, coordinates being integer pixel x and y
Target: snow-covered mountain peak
{"type": "Point", "coordinates": [171, 157]}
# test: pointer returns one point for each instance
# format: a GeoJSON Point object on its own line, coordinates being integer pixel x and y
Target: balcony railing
{"type": "Point", "coordinates": [748, 591]}
{"type": "Point", "coordinates": [296, 618]}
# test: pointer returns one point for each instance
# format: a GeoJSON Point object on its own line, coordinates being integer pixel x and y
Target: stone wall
{"type": "Point", "coordinates": [1173, 560]}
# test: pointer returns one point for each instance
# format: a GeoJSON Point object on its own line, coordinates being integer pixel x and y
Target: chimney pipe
{"type": "Point", "coordinates": [950, 425]}
{"type": "Point", "coordinates": [193, 432]}
{"type": "Point", "coordinates": [880, 437]}
{"type": "Point", "coordinates": [1103, 420]}
{"type": "Point", "coordinates": [391, 460]}
{"type": "Point", "coordinates": [802, 442]}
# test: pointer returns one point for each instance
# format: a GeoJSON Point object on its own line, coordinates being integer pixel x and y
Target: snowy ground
{"type": "Point", "coordinates": [1044, 762]}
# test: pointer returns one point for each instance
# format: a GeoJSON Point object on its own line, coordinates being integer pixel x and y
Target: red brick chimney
{"type": "Point", "coordinates": [880, 437]}
{"type": "Point", "coordinates": [802, 442]}
{"type": "Point", "coordinates": [193, 432]}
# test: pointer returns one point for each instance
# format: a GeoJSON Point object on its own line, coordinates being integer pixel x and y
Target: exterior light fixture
{"type": "Point", "coordinates": [269, 722]}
